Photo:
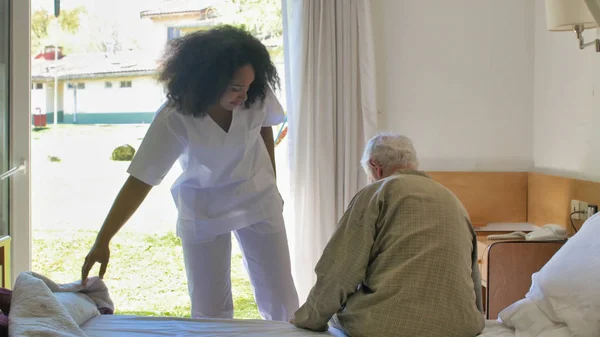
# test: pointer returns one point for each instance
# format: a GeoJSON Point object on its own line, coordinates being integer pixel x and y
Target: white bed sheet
{"type": "Point", "coordinates": [135, 326]}
{"type": "Point", "coordinates": [495, 329]}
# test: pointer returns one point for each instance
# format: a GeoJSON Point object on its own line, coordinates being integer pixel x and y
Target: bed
{"type": "Point", "coordinates": [563, 301]}
{"type": "Point", "coordinates": [132, 326]}
{"type": "Point", "coordinates": [41, 307]}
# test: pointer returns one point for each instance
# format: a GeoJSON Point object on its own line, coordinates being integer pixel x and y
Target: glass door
{"type": "Point", "coordinates": [15, 131]}
{"type": "Point", "coordinates": [4, 116]}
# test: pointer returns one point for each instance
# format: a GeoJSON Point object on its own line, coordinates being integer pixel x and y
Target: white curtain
{"type": "Point", "coordinates": [331, 94]}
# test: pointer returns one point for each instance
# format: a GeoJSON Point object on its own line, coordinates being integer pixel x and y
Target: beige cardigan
{"type": "Point", "coordinates": [402, 262]}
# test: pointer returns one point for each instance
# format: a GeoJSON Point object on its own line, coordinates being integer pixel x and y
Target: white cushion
{"type": "Point", "coordinates": [567, 288]}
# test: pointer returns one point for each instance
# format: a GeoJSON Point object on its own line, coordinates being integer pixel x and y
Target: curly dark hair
{"type": "Point", "coordinates": [197, 68]}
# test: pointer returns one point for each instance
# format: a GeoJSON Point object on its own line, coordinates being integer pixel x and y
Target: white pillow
{"type": "Point", "coordinates": [567, 288]}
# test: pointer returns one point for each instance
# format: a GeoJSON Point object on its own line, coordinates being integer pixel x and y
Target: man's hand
{"type": "Point", "coordinates": [308, 326]}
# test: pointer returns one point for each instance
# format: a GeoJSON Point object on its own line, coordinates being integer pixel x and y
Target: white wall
{"type": "Point", "coordinates": [566, 106]}
{"type": "Point", "coordinates": [158, 28]}
{"type": "Point", "coordinates": [38, 99]}
{"type": "Point", "coordinates": [49, 94]}
{"type": "Point", "coordinates": [145, 95]}
{"type": "Point", "coordinates": [445, 66]}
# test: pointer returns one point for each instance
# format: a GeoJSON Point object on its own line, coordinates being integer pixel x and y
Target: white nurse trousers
{"type": "Point", "coordinates": [267, 260]}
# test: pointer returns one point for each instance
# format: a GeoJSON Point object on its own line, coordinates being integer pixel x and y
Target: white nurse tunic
{"type": "Point", "coordinates": [227, 184]}
{"type": "Point", "coordinates": [227, 181]}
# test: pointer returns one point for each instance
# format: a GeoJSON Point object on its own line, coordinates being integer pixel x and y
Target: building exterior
{"type": "Point", "coordinates": [175, 18]}
{"type": "Point", "coordinates": [116, 87]}
{"type": "Point", "coordinates": [98, 88]}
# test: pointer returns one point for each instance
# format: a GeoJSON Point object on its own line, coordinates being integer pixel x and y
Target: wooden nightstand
{"type": "Point", "coordinates": [506, 268]}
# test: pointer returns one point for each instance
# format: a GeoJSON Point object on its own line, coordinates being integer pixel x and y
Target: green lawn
{"type": "Point", "coordinates": [73, 186]}
{"type": "Point", "coordinates": [145, 275]}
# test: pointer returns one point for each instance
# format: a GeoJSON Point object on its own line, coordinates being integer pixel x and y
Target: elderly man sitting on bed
{"type": "Point", "coordinates": [403, 259]}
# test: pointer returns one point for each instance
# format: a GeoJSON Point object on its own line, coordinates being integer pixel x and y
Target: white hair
{"type": "Point", "coordinates": [390, 150]}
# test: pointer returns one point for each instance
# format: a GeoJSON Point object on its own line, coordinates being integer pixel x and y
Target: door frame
{"type": "Point", "coordinates": [20, 135]}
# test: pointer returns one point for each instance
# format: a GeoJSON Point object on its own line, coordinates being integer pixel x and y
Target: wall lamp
{"type": "Point", "coordinates": [576, 16]}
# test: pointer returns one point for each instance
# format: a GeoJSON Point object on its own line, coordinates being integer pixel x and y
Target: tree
{"type": "Point", "coordinates": [41, 21]}
{"type": "Point", "coordinates": [261, 17]}
{"type": "Point", "coordinates": [104, 36]}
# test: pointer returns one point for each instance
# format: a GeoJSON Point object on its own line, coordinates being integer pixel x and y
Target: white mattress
{"type": "Point", "coordinates": [134, 326]}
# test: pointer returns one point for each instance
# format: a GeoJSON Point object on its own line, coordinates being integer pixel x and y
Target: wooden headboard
{"type": "Point", "coordinates": [549, 198]}
{"type": "Point", "coordinates": [531, 197]}
{"type": "Point", "coordinates": [489, 196]}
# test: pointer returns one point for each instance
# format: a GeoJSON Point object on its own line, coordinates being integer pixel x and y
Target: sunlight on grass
{"type": "Point", "coordinates": [145, 275]}
{"type": "Point", "coordinates": [70, 199]}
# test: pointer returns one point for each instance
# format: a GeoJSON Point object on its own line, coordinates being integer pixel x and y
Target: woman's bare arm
{"type": "Point", "coordinates": [129, 199]}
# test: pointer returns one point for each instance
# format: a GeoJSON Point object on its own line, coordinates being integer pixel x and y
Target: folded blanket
{"type": "Point", "coordinates": [40, 307]}
{"type": "Point", "coordinates": [94, 289]}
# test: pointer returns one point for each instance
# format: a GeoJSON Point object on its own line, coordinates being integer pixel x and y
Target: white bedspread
{"type": "Point", "coordinates": [134, 326]}
{"type": "Point", "coordinates": [40, 307]}
{"type": "Point", "coordinates": [529, 320]}
{"type": "Point", "coordinates": [497, 329]}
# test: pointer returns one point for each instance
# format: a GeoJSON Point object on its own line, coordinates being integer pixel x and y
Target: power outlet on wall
{"type": "Point", "coordinates": [579, 206]}
{"type": "Point", "coordinates": [592, 209]}
{"type": "Point", "coordinates": [574, 208]}
{"type": "Point", "coordinates": [583, 206]}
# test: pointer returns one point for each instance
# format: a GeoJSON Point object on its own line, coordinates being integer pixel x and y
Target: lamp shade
{"type": "Point", "coordinates": [594, 7]}
{"type": "Point", "coordinates": [562, 15]}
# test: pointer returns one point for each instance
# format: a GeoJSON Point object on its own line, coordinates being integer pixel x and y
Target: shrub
{"type": "Point", "coordinates": [123, 153]}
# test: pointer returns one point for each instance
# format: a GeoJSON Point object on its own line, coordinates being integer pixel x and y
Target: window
{"type": "Point", "coordinates": [108, 85]}
{"type": "Point", "coordinates": [173, 33]}
{"type": "Point", "coordinates": [78, 85]}
{"type": "Point", "coordinates": [37, 86]}
{"type": "Point", "coordinates": [125, 84]}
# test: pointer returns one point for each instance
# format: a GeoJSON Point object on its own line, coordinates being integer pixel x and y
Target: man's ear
{"type": "Point", "coordinates": [377, 169]}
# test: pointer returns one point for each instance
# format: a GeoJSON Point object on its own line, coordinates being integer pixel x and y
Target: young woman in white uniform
{"type": "Point", "coordinates": [217, 121]}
